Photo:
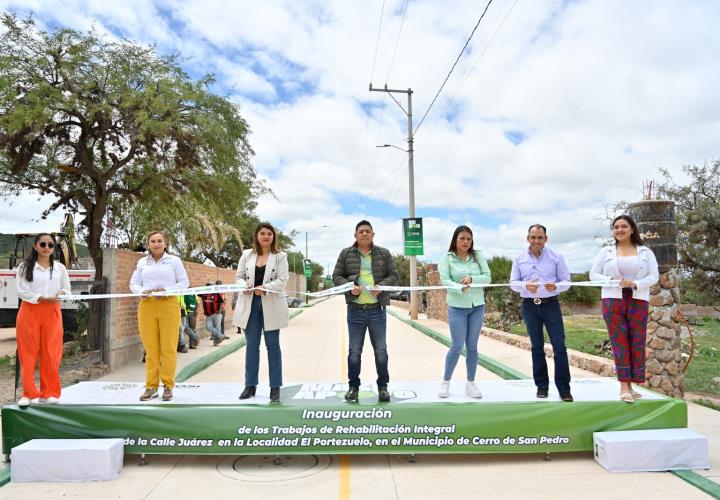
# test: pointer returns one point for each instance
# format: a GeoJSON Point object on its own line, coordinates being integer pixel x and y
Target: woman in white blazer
{"type": "Point", "coordinates": [625, 306]}
{"type": "Point", "coordinates": [265, 310]}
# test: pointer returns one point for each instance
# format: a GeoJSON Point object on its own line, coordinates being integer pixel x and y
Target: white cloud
{"type": "Point", "coordinates": [604, 91]}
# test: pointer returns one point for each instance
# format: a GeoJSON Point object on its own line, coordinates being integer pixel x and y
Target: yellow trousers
{"type": "Point", "coordinates": [159, 321]}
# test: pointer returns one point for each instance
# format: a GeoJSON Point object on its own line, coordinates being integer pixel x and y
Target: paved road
{"type": "Point", "coordinates": [314, 348]}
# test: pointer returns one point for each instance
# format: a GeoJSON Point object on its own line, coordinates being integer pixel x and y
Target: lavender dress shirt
{"type": "Point", "coordinates": [550, 267]}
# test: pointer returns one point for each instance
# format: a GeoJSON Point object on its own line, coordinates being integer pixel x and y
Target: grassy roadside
{"type": "Point", "coordinates": [583, 333]}
{"type": "Point", "coordinates": [586, 333]}
{"type": "Point", "coordinates": [703, 374]}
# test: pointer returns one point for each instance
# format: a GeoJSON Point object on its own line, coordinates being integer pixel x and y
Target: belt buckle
{"type": "Point", "coordinates": [537, 301]}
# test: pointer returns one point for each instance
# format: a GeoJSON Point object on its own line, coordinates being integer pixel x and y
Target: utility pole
{"type": "Point", "coordinates": [411, 180]}
{"type": "Point", "coordinates": [307, 264]}
{"type": "Point", "coordinates": [307, 279]}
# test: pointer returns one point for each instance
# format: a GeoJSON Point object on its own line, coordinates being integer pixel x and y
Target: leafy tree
{"type": "Point", "coordinates": [502, 299]}
{"type": "Point", "coordinates": [581, 294]}
{"type": "Point", "coordinates": [500, 268]}
{"type": "Point", "coordinates": [697, 206]}
{"type": "Point", "coordinates": [296, 265]}
{"type": "Point", "coordinates": [403, 266]}
{"type": "Point", "coordinates": [95, 125]}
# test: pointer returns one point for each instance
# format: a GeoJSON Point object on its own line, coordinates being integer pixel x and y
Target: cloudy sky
{"type": "Point", "coordinates": [556, 110]}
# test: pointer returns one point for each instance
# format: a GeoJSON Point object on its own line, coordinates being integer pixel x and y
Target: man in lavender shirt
{"type": "Point", "coordinates": [534, 275]}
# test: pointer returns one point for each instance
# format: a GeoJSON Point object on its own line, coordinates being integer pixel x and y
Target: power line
{"type": "Point", "coordinates": [397, 41]}
{"type": "Point", "coordinates": [453, 66]}
{"type": "Point", "coordinates": [377, 41]}
{"type": "Point", "coordinates": [465, 77]}
{"type": "Point", "coordinates": [369, 99]}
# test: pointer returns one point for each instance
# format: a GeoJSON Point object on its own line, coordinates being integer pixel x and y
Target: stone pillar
{"type": "Point", "coordinates": [436, 304]}
{"type": "Point", "coordinates": [656, 223]}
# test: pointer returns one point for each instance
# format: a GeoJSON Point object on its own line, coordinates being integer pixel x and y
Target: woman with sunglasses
{"type": "Point", "coordinates": [40, 281]}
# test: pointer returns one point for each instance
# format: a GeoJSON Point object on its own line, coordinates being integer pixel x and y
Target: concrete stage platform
{"type": "Point", "coordinates": [313, 418]}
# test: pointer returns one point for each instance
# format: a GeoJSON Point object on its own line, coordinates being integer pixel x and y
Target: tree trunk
{"type": "Point", "coordinates": [96, 214]}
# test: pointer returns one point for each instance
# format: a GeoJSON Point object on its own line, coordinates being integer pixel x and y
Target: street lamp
{"type": "Point", "coordinates": [307, 258]}
{"type": "Point", "coordinates": [411, 178]}
{"type": "Point", "coordinates": [392, 146]}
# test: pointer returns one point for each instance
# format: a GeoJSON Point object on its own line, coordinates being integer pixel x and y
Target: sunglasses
{"type": "Point", "coordinates": [44, 244]}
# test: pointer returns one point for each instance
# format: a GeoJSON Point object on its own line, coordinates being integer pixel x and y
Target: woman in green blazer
{"type": "Point", "coordinates": [460, 267]}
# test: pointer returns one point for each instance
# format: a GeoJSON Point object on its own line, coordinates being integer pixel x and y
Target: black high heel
{"type": "Point", "coordinates": [248, 392]}
{"type": "Point", "coordinates": [274, 394]}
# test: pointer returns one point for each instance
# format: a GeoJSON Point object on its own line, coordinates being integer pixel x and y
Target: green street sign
{"type": "Point", "coordinates": [413, 236]}
{"type": "Point", "coordinates": [307, 264]}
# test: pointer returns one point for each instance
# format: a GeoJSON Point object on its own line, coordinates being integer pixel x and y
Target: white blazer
{"type": "Point", "coordinates": [275, 307]}
{"type": "Point", "coordinates": [605, 267]}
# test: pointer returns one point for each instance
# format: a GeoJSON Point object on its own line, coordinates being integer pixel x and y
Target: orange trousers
{"type": "Point", "coordinates": [39, 333]}
{"type": "Point", "coordinates": [159, 322]}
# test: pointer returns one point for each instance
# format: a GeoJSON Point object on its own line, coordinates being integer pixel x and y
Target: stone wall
{"type": "Point", "coordinates": [694, 311]}
{"type": "Point", "coordinates": [663, 352]}
{"type": "Point", "coordinates": [663, 355]}
{"type": "Point", "coordinates": [596, 364]}
{"type": "Point", "coordinates": [436, 303]}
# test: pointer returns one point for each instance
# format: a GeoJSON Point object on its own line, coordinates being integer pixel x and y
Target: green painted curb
{"type": "Point", "coordinates": [700, 482]}
{"type": "Point", "coordinates": [323, 299]}
{"type": "Point", "coordinates": [4, 475]}
{"type": "Point", "coordinates": [489, 364]}
{"type": "Point", "coordinates": [208, 360]}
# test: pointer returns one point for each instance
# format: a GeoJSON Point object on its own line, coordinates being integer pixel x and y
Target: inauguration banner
{"type": "Point", "coordinates": [313, 418]}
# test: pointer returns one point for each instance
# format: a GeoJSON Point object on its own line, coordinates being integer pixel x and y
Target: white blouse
{"type": "Point", "coordinates": [44, 283]}
{"type": "Point", "coordinates": [167, 273]}
{"type": "Point", "coordinates": [629, 266]}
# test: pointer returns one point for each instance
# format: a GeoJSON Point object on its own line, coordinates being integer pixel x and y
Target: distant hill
{"type": "Point", "coordinates": [7, 245]}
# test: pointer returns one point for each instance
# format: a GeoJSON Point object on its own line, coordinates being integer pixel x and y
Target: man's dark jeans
{"type": "Point", "coordinates": [550, 315]}
{"type": "Point", "coordinates": [375, 322]}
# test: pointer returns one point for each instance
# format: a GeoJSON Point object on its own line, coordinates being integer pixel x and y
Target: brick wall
{"type": "Point", "coordinates": [123, 339]}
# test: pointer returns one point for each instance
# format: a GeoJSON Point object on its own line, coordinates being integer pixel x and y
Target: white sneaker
{"type": "Point", "coordinates": [444, 389]}
{"type": "Point", "coordinates": [23, 402]}
{"type": "Point", "coordinates": [52, 400]}
{"type": "Point", "coordinates": [472, 390]}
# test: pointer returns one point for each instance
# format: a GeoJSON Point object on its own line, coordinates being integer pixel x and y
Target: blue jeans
{"type": "Point", "coordinates": [186, 328]}
{"type": "Point", "coordinates": [253, 330]}
{"type": "Point", "coordinates": [465, 325]}
{"type": "Point", "coordinates": [550, 315]}
{"type": "Point", "coordinates": [222, 321]}
{"type": "Point", "coordinates": [375, 322]}
{"type": "Point", "coordinates": [212, 324]}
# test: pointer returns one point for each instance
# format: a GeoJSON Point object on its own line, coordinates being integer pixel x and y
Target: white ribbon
{"type": "Point", "coordinates": [203, 290]}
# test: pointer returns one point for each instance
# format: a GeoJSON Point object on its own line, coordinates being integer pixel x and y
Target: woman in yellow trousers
{"type": "Point", "coordinates": [159, 317]}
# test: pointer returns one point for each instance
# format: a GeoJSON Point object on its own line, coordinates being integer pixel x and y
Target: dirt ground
{"type": "Point", "coordinates": [75, 368]}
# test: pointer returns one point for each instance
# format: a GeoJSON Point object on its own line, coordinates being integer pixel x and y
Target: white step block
{"type": "Point", "coordinates": [651, 450]}
{"type": "Point", "coordinates": [67, 460]}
